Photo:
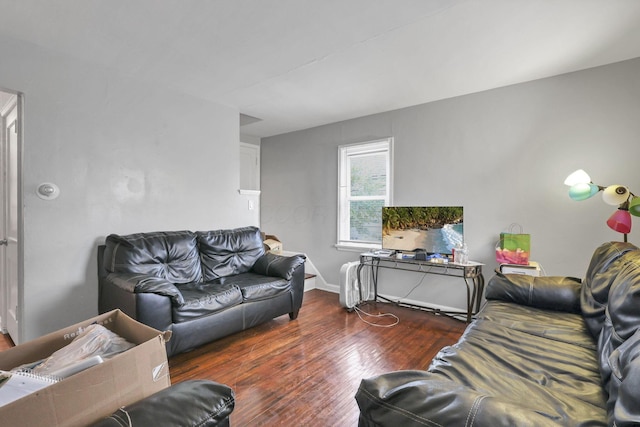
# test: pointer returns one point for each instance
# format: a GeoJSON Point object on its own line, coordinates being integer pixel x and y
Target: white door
{"type": "Point", "coordinates": [249, 166]}
{"type": "Point", "coordinates": [9, 277]}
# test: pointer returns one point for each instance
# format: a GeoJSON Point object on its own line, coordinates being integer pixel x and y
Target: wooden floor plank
{"type": "Point", "coordinates": [5, 342]}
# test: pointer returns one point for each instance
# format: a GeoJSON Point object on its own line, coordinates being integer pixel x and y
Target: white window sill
{"type": "Point", "coordinates": [357, 247]}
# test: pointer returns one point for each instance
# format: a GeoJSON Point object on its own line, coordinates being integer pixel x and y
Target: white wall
{"type": "Point", "coordinates": [128, 157]}
{"type": "Point", "coordinates": [502, 154]}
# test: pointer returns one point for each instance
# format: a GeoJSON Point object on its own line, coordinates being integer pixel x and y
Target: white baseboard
{"type": "Point", "coordinates": [336, 289]}
{"type": "Point", "coordinates": [329, 288]}
{"type": "Point", "coordinates": [417, 302]}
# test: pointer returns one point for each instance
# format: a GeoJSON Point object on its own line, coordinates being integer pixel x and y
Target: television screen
{"type": "Point", "coordinates": [433, 229]}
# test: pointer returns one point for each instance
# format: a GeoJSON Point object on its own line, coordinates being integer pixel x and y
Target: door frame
{"type": "Point", "coordinates": [4, 286]}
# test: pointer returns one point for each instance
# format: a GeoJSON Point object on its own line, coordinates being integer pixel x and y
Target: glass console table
{"type": "Point", "coordinates": [471, 273]}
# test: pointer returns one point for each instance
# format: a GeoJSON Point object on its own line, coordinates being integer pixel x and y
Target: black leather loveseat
{"type": "Point", "coordinates": [543, 351]}
{"type": "Point", "coordinates": [200, 285]}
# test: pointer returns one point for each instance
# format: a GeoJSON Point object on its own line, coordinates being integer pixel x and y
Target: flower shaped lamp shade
{"type": "Point", "coordinates": [634, 206]}
{"type": "Point", "coordinates": [577, 177]}
{"type": "Point", "coordinates": [615, 195]}
{"type": "Point", "coordinates": [620, 221]}
{"type": "Point", "coordinates": [581, 188]}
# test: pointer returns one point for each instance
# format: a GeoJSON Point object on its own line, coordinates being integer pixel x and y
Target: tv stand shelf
{"type": "Point", "coordinates": [471, 273]}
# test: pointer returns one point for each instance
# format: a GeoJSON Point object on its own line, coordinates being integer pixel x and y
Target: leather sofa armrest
{"type": "Point", "coordinates": [621, 379]}
{"type": "Point", "coordinates": [549, 292]}
{"type": "Point", "coordinates": [419, 398]}
{"type": "Point", "coordinates": [141, 283]}
{"type": "Point", "coordinates": [201, 403]}
{"type": "Point", "coordinates": [277, 265]}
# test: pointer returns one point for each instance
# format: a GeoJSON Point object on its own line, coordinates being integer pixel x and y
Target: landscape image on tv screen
{"type": "Point", "coordinates": [433, 229]}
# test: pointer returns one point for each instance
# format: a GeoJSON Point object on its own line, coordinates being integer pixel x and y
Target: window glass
{"type": "Point", "coordinates": [369, 175]}
{"type": "Point", "coordinates": [365, 186]}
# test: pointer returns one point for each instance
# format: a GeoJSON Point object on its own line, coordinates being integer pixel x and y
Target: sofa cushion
{"type": "Point", "coordinates": [529, 356]}
{"type": "Point", "coordinates": [172, 256]}
{"type": "Point", "coordinates": [229, 252]}
{"type": "Point", "coordinates": [203, 299]}
{"type": "Point", "coordinates": [541, 323]}
{"type": "Point", "coordinates": [254, 287]}
{"type": "Point", "coordinates": [552, 292]}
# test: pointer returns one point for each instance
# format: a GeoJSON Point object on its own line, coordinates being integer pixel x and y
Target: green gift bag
{"type": "Point", "coordinates": [514, 248]}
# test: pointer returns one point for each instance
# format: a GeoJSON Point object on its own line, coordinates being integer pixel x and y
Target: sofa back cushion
{"type": "Point", "coordinates": [172, 255]}
{"type": "Point", "coordinates": [623, 386]}
{"type": "Point", "coordinates": [602, 272]}
{"type": "Point", "coordinates": [228, 252]}
{"type": "Point", "coordinates": [610, 302]}
{"type": "Point", "coordinates": [622, 316]}
{"type": "Point", "coordinates": [623, 310]}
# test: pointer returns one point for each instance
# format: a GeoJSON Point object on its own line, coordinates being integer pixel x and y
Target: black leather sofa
{"type": "Point", "coordinates": [200, 285]}
{"type": "Point", "coordinates": [543, 351]}
{"type": "Point", "coordinates": [201, 403]}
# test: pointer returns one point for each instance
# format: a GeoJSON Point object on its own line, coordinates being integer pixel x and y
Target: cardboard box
{"type": "Point", "coordinates": [97, 392]}
{"type": "Point", "coordinates": [272, 244]}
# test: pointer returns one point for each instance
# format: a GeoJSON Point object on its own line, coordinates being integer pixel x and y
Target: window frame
{"type": "Point", "coordinates": [345, 152]}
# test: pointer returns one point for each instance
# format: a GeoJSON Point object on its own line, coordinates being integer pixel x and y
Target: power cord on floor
{"type": "Point", "coordinates": [362, 313]}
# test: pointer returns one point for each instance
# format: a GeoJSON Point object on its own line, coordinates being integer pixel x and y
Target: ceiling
{"type": "Point", "coordinates": [296, 64]}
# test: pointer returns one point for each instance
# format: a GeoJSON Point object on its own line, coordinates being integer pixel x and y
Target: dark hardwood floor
{"type": "Point", "coordinates": [306, 372]}
{"type": "Point", "coordinates": [5, 342]}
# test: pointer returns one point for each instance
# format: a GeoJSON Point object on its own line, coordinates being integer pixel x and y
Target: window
{"type": "Point", "coordinates": [364, 186]}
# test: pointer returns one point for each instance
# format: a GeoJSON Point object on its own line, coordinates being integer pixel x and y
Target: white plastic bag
{"type": "Point", "coordinates": [92, 345]}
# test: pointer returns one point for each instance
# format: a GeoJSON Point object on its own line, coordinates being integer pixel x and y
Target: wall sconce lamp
{"type": "Point", "coordinates": [581, 188]}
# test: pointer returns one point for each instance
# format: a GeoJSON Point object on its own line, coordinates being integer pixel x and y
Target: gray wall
{"type": "Point", "coordinates": [128, 157]}
{"type": "Point", "coordinates": [503, 154]}
{"type": "Point", "coordinates": [249, 139]}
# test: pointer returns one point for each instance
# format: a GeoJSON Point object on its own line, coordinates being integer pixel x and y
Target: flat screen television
{"type": "Point", "coordinates": [433, 229]}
